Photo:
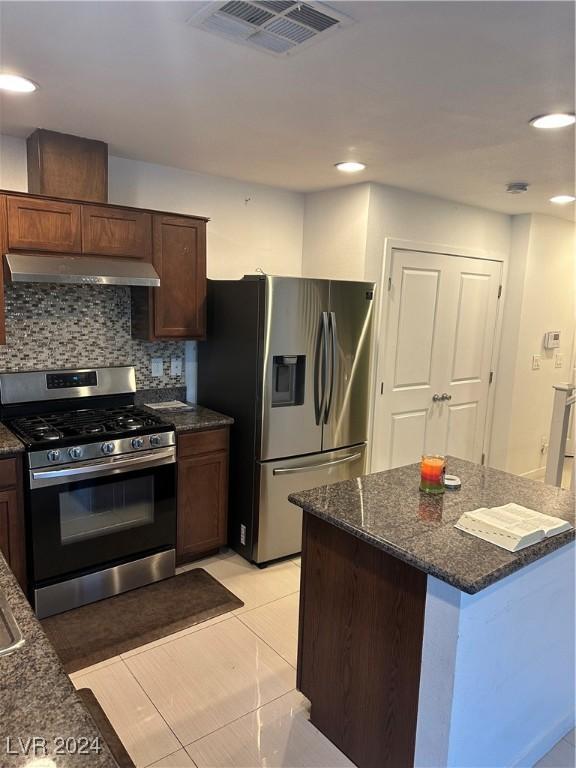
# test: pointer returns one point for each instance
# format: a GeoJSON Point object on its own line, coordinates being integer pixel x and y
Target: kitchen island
{"type": "Point", "coordinates": [422, 645]}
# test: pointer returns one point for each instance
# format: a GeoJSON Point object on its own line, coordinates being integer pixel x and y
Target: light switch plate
{"type": "Point", "coordinates": [558, 360]}
{"type": "Point", "coordinates": [175, 366]}
{"type": "Point", "coordinates": [536, 362]}
{"type": "Point", "coordinates": [157, 366]}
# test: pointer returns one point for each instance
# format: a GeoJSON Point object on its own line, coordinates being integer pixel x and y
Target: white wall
{"type": "Point", "coordinates": [345, 229]}
{"type": "Point", "coordinates": [544, 249]}
{"type": "Point", "coordinates": [264, 232]}
{"type": "Point", "coordinates": [335, 232]}
{"type": "Point", "coordinates": [13, 164]}
{"type": "Point", "coordinates": [400, 214]}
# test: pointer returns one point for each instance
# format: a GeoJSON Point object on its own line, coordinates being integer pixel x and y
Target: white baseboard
{"type": "Point", "coordinates": [535, 474]}
{"type": "Point", "coordinates": [544, 742]}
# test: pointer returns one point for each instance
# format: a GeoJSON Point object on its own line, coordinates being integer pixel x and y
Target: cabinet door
{"type": "Point", "coordinates": [8, 508]}
{"type": "Point", "coordinates": [179, 256]}
{"type": "Point", "coordinates": [116, 232]}
{"type": "Point", "coordinates": [43, 225]}
{"type": "Point", "coordinates": [202, 503]}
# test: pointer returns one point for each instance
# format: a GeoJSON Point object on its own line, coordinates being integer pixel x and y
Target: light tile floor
{"type": "Point", "coordinates": [222, 694]}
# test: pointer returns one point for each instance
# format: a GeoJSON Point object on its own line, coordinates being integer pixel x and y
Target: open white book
{"type": "Point", "coordinates": [511, 526]}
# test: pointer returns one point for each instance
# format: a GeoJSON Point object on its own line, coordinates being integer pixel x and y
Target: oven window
{"type": "Point", "coordinates": [89, 510]}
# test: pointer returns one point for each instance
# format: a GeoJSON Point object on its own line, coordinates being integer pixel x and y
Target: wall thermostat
{"type": "Point", "coordinates": [551, 339]}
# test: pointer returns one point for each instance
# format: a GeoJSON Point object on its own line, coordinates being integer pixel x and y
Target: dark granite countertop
{"type": "Point", "coordinates": [9, 443]}
{"type": "Point", "coordinates": [193, 420]}
{"type": "Point", "coordinates": [387, 510]}
{"type": "Point", "coordinates": [37, 697]}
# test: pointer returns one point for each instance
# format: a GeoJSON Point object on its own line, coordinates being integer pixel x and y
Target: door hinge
{"type": "Point", "coordinates": [483, 458]}
{"type": "Point", "coordinates": [499, 291]}
{"type": "Point", "coordinates": [491, 379]}
{"type": "Point", "coordinates": [382, 388]}
{"type": "Point", "coordinates": [389, 283]}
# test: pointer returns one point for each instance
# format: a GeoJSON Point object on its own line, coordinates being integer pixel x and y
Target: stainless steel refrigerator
{"type": "Point", "coordinates": [289, 359]}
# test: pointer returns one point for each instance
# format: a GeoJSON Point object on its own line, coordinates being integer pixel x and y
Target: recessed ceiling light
{"type": "Point", "coordinates": [562, 199]}
{"type": "Point", "coordinates": [16, 84]}
{"type": "Point", "coordinates": [350, 167]}
{"type": "Point", "coordinates": [554, 120]}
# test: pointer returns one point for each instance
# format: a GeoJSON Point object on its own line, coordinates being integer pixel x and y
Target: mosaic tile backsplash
{"type": "Point", "coordinates": [57, 326]}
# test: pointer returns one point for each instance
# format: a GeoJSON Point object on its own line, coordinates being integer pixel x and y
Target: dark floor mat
{"type": "Point", "coordinates": [92, 633]}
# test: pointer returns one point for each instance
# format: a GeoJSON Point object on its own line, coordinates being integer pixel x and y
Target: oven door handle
{"type": "Point", "coordinates": [40, 478]}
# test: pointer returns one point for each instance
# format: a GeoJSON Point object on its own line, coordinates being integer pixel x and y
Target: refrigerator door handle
{"type": "Point", "coordinates": [334, 360]}
{"type": "Point", "coordinates": [314, 467]}
{"type": "Point", "coordinates": [321, 368]}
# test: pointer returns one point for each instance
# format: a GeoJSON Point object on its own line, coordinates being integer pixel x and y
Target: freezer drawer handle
{"type": "Point", "coordinates": [312, 467]}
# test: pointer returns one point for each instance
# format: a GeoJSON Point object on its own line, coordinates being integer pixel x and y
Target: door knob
{"type": "Point", "coordinates": [446, 396]}
{"type": "Point", "coordinates": [436, 398]}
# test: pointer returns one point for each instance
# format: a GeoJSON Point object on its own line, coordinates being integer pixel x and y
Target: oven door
{"type": "Point", "coordinates": [83, 517]}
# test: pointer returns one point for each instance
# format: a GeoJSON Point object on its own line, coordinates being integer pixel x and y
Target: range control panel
{"type": "Point", "coordinates": [72, 379]}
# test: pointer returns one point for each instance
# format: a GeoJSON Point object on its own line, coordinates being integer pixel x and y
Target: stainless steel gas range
{"type": "Point", "coordinates": [100, 484]}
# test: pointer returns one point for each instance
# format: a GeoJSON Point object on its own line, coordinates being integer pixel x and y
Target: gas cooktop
{"type": "Point", "coordinates": [62, 427]}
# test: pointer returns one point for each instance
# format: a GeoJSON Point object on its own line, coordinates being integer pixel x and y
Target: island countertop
{"type": "Point", "coordinates": [388, 511]}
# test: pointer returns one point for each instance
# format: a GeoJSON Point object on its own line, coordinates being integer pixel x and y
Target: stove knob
{"type": "Point", "coordinates": [137, 442]}
{"type": "Point", "coordinates": [155, 440]}
{"type": "Point", "coordinates": [53, 455]}
{"type": "Point", "coordinates": [107, 448]}
{"type": "Point", "coordinates": [75, 453]}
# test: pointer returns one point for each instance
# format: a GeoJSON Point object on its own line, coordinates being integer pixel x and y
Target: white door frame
{"type": "Point", "coordinates": [381, 321]}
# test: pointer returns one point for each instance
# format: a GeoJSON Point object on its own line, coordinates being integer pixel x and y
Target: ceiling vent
{"type": "Point", "coordinates": [279, 27]}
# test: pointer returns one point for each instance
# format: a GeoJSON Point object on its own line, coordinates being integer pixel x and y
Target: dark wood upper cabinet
{"type": "Point", "coordinates": [202, 493]}
{"type": "Point", "coordinates": [116, 232]}
{"type": "Point", "coordinates": [61, 165]}
{"type": "Point", "coordinates": [36, 224]}
{"type": "Point", "coordinates": [179, 255]}
{"type": "Point", "coordinates": [176, 310]}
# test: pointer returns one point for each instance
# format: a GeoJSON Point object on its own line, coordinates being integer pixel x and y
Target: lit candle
{"type": "Point", "coordinates": [432, 470]}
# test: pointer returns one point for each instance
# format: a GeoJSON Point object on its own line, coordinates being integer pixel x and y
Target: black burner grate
{"type": "Point", "coordinates": [84, 424]}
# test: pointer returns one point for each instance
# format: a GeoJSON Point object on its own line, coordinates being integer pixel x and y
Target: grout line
{"type": "Point", "coordinates": [151, 765]}
{"type": "Point", "coordinates": [266, 641]}
{"type": "Point", "coordinates": [139, 684]}
{"type": "Point", "coordinates": [255, 608]}
{"type": "Point", "coordinates": [239, 718]}
{"type": "Point", "coordinates": [189, 631]}
{"type": "Point", "coordinates": [98, 666]}
{"type": "Point", "coordinates": [151, 702]}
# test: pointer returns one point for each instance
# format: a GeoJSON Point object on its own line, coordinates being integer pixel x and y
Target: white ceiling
{"type": "Point", "coordinates": [433, 96]}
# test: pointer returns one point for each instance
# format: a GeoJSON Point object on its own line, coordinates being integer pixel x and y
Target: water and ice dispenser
{"type": "Point", "coordinates": [288, 378]}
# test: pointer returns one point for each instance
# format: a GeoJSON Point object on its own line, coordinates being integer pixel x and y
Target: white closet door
{"type": "Point", "coordinates": [440, 324]}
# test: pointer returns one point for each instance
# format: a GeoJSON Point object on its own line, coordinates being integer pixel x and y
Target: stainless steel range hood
{"type": "Point", "coordinates": [29, 268]}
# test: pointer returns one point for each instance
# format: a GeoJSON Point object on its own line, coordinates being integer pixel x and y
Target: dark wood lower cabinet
{"type": "Point", "coordinates": [12, 535]}
{"type": "Point", "coordinates": [202, 493]}
{"type": "Point", "coordinates": [360, 645]}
